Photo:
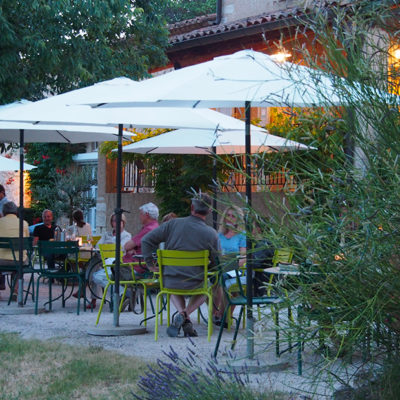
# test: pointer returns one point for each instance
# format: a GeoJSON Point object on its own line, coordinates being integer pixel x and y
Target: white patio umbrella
{"type": "Point", "coordinates": [201, 141]}
{"type": "Point", "coordinates": [239, 80]}
{"type": "Point", "coordinates": [55, 111]}
{"type": "Point", "coordinates": [211, 142]}
{"type": "Point", "coordinates": [227, 80]}
{"type": "Point", "coordinates": [8, 164]}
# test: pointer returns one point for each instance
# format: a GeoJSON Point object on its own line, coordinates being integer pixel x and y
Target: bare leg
{"type": "Point", "coordinates": [219, 301]}
{"type": "Point", "coordinates": [179, 302]}
{"type": "Point", "coordinates": [194, 303]}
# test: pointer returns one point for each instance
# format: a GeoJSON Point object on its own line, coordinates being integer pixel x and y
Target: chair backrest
{"type": "Point", "coordinates": [282, 255]}
{"type": "Point", "coordinates": [107, 250]}
{"type": "Point", "coordinates": [47, 248]}
{"type": "Point", "coordinates": [182, 258]}
{"type": "Point", "coordinates": [12, 244]}
{"type": "Point", "coordinates": [95, 239]}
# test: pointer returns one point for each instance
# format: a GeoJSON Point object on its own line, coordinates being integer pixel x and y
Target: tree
{"type": "Point", "coordinates": [179, 10]}
{"type": "Point", "coordinates": [68, 191]}
{"type": "Point", "coordinates": [51, 161]}
{"type": "Point", "coordinates": [49, 47]}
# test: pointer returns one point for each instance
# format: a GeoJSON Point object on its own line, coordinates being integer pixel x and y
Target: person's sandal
{"type": "Point", "coordinates": [174, 329]}
{"type": "Point", "coordinates": [188, 329]}
{"type": "Point", "coordinates": [91, 305]}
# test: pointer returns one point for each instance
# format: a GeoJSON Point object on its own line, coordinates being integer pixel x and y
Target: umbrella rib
{"type": "Point", "coordinates": [67, 140]}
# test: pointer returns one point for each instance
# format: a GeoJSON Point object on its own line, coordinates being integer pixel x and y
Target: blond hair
{"type": "Point", "coordinates": [239, 226]}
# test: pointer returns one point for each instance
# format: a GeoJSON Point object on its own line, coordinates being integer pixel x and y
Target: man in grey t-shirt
{"type": "Point", "coordinates": [190, 233]}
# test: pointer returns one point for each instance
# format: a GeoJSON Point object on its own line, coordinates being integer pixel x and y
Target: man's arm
{"type": "Point", "coordinates": [215, 250]}
{"type": "Point", "coordinates": [35, 236]}
{"type": "Point", "coordinates": [151, 241]}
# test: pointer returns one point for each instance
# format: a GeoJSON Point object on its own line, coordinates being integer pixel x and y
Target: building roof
{"type": "Point", "coordinates": [205, 26]}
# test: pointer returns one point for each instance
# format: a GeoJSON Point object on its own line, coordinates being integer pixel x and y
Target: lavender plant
{"type": "Point", "coordinates": [192, 378]}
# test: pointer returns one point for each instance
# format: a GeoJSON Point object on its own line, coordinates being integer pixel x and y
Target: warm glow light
{"type": "Point", "coordinates": [396, 54]}
{"type": "Point", "coordinates": [339, 257]}
{"type": "Point", "coordinates": [281, 56]}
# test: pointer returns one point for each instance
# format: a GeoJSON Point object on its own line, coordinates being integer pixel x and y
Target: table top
{"type": "Point", "coordinates": [290, 269]}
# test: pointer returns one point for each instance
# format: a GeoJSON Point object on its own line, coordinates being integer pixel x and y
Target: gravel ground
{"type": "Point", "coordinates": [63, 324]}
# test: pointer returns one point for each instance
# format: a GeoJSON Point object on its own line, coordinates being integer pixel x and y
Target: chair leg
{"type": "Point", "coordinates": [12, 286]}
{"type": "Point", "coordinates": [157, 309]}
{"type": "Point", "coordinates": [145, 305]}
{"type": "Point", "coordinates": [102, 302]}
{"type": "Point", "coordinates": [221, 329]}
{"type": "Point", "coordinates": [168, 310]}
{"type": "Point", "coordinates": [31, 284]}
{"type": "Point", "coordinates": [37, 295]}
{"type": "Point", "coordinates": [122, 299]}
{"type": "Point", "coordinates": [210, 323]}
{"type": "Point", "coordinates": [161, 305]}
{"type": "Point", "coordinates": [237, 327]}
{"type": "Point", "coordinates": [50, 294]}
{"type": "Point", "coordinates": [275, 314]}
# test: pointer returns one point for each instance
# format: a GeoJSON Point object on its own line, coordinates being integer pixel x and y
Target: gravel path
{"type": "Point", "coordinates": [62, 324]}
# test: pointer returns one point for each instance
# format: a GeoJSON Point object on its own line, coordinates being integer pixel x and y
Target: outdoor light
{"type": "Point", "coordinates": [282, 56]}
{"type": "Point", "coordinates": [396, 54]}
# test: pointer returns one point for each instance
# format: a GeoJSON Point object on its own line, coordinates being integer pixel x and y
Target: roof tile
{"type": "Point", "coordinates": [205, 25]}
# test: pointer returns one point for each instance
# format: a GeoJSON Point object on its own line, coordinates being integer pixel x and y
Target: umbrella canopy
{"type": "Point", "coordinates": [52, 111]}
{"type": "Point", "coordinates": [7, 164]}
{"type": "Point", "coordinates": [10, 131]}
{"type": "Point", "coordinates": [198, 141]}
{"type": "Point", "coordinates": [228, 80]}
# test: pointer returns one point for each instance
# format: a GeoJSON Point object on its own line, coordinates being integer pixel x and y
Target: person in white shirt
{"type": "Point", "coordinates": [99, 277]}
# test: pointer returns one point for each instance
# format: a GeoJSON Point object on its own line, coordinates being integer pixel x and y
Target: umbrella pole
{"type": "Point", "coordinates": [249, 244]}
{"type": "Point", "coordinates": [21, 220]}
{"type": "Point", "coordinates": [118, 212]}
{"type": "Point", "coordinates": [214, 178]}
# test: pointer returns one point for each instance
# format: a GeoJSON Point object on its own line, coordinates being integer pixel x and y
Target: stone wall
{"type": "Point", "coordinates": [233, 10]}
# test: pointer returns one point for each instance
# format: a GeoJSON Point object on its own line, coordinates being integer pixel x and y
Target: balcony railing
{"type": "Point", "coordinates": [138, 179]}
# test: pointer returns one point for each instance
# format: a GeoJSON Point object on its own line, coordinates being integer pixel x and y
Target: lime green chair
{"type": "Point", "coordinates": [180, 258]}
{"type": "Point", "coordinates": [282, 255]}
{"type": "Point", "coordinates": [108, 251]}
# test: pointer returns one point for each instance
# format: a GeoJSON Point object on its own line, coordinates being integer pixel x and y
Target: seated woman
{"type": "Point", "coordinates": [233, 246]}
{"type": "Point", "coordinates": [80, 227]}
{"type": "Point", "coordinates": [98, 278]}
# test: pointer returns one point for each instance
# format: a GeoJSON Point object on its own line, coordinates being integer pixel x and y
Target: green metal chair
{"type": "Point", "coordinates": [12, 244]}
{"type": "Point", "coordinates": [180, 258]}
{"type": "Point", "coordinates": [240, 299]}
{"type": "Point", "coordinates": [71, 252]}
